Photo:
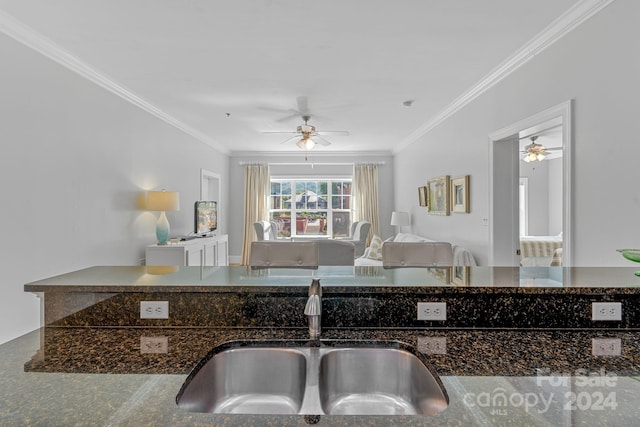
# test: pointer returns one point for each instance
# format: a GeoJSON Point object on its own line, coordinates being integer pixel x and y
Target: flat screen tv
{"type": "Point", "coordinates": [206, 216]}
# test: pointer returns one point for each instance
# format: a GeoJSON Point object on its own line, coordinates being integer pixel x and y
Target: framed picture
{"type": "Point", "coordinates": [460, 194]}
{"type": "Point", "coordinates": [438, 196]}
{"type": "Point", "coordinates": [422, 196]}
{"type": "Point", "coordinates": [460, 275]}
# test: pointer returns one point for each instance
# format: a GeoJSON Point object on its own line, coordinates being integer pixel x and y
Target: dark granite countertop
{"type": "Point", "coordinates": [61, 376]}
{"type": "Point", "coordinates": [518, 347]}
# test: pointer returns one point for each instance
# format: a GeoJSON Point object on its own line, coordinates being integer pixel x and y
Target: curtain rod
{"type": "Point", "coordinates": [312, 164]}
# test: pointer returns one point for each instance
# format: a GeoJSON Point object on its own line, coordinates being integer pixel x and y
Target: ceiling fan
{"type": "Point", "coordinates": [535, 151]}
{"type": "Point", "coordinates": [306, 135]}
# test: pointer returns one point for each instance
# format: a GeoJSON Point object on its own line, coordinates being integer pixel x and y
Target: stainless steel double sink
{"type": "Point", "coordinates": [333, 378]}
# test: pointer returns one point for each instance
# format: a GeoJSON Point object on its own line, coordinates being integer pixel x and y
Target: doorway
{"type": "Point", "coordinates": [504, 163]}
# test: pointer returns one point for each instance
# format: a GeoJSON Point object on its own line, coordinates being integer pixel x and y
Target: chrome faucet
{"type": "Point", "coordinates": [313, 309]}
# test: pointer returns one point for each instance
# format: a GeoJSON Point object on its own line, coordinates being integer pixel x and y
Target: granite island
{"type": "Point", "coordinates": [88, 364]}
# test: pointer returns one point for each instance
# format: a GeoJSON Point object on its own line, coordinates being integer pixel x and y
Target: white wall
{"type": "Point", "coordinates": [597, 65]}
{"type": "Point", "coordinates": [74, 161]}
{"type": "Point", "coordinates": [538, 203]}
{"type": "Point", "coordinates": [545, 196]}
{"type": "Point", "coordinates": [236, 184]}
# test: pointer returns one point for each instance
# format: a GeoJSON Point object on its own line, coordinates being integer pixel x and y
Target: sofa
{"type": "Point", "coordinates": [301, 254]}
{"type": "Point", "coordinates": [373, 254]}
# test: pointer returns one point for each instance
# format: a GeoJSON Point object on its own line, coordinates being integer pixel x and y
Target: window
{"type": "Point", "coordinates": [318, 207]}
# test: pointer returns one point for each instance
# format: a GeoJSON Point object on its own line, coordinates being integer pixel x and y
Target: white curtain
{"type": "Point", "coordinates": [256, 204]}
{"type": "Point", "coordinates": [365, 191]}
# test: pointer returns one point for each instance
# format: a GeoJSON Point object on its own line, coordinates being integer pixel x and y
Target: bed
{"type": "Point", "coordinates": [540, 250]}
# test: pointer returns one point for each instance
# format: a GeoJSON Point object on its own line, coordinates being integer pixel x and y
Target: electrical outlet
{"type": "Point", "coordinates": [611, 311]}
{"type": "Point", "coordinates": [432, 311]}
{"type": "Point", "coordinates": [154, 345]}
{"type": "Point", "coordinates": [154, 309]}
{"type": "Point", "coordinates": [432, 345]}
{"type": "Point", "coordinates": [606, 346]}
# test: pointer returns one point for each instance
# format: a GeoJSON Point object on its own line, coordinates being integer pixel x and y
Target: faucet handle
{"type": "Point", "coordinates": [314, 306]}
{"type": "Point", "coordinates": [315, 288]}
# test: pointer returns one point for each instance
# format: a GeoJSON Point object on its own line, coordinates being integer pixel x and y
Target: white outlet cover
{"type": "Point", "coordinates": [432, 311]}
{"type": "Point", "coordinates": [154, 309]}
{"type": "Point", "coordinates": [432, 345]}
{"type": "Point", "coordinates": [154, 345]}
{"type": "Point", "coordinates": [607, 311]}
{"type": "Point", "coordinates": [606, 346]}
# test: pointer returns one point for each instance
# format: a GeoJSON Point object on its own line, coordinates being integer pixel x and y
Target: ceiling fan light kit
{"type": "Point", "coordinates": [306, 143]}
{"type": "Point", "coordinates": [307, 133]}
{"type": "Point", "coordinates": [534, 151]}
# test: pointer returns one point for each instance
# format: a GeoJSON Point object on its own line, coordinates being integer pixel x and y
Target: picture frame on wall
{"type": "Point", "coordinates": [438, 196]}
{"type": "Point", "coordinates": [460, 194]}
{"type": "Point", "coordinates": [422, 196]}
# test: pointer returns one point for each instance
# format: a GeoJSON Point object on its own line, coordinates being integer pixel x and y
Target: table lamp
{"type": "Point", "coordinates": [399, 219]}
{"type": "Point", "coordinates": [163, 201]}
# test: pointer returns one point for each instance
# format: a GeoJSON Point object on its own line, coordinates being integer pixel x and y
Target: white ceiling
{"type": "Point", "coordinates": [228, 70]}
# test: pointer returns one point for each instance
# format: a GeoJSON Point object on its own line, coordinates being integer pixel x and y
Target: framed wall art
{"type": "Point", "coordinates": [438, 196]}
{"type": "Point", "coordinates": [460, 194]}
{"type": "Point", "coordinates": [422, 196]}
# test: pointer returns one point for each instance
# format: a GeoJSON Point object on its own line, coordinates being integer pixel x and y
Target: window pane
{"type": "Point", "coordinates": [336, 202]}
{"type": "Point", "coordinates": [283, 219]}
{"type": "Point", "coordinates": [311, 207]}
{"type": "Point", "coordinates": [341, 224]}
{"type": "Point", "coordinates": [311, 224]}
{"type": "Point", "coordinates": [275, 202]}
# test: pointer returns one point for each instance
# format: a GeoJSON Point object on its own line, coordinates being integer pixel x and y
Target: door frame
{"type": "Point", "coordinates": [502, 250]}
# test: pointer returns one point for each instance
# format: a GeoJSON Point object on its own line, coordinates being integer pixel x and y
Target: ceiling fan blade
{"type": "Point", "coordinates": [294, 115]}
{"type": "Point", "coordinates": [278, 131]}
{"type": "Point", "coordinates": [290, 139]}
{"type": "Point", "coordinates": [303, 105]}
{"type": "Point", "coordinates": [320, 140]}
{"type": "Point", "coordinates": [334, 132]}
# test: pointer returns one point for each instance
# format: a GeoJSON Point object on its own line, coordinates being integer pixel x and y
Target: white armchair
{"type": "Point", "coordinates": [266, 230]}
{"type": "Point", "coordinates": [359, 234]}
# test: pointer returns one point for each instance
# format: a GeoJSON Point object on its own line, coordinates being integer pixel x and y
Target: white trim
{"type": "Point", "coordinates": [524, 202]}
{"type": "Point", "coordinates": [311, 154]}
{"type": "Point", "coordinates": [563, 110]}
{"type": "Point", "coordinates": [41, 44]}
{"type": "Point", "coordinates": [564, 24]}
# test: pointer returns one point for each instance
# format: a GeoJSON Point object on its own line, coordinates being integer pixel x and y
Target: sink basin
{"type": "Point", "coordinates": [378, 381]}
{"type": "Point", "coordinates": [248, 381]}
{"type": "Point", "coordinates": [293, 377]}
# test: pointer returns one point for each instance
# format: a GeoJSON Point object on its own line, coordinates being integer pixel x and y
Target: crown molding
{"type": "Point", "coordinates": [564, 24]}
{"type": "Point", "coordinates": [314, 154]}
{"type": "Point", "coordinates": [43, 45]}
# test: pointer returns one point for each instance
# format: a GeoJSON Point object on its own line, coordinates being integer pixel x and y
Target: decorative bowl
{"type": "Point", "coordinates": [631, 255]}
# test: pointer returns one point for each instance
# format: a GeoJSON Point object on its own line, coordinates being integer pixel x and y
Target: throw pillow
{"type": "Point", "coordinates": [375, 248]}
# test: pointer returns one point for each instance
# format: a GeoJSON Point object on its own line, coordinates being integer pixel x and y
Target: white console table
{"type": "Point", "coordinates": [208, 251]}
